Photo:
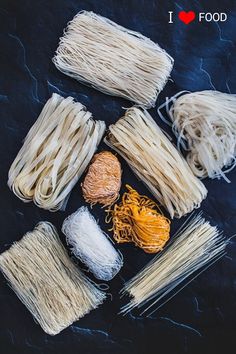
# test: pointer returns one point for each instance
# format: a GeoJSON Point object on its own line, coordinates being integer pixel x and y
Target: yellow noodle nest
{"type": "Point", "coordinates": [136, 220]}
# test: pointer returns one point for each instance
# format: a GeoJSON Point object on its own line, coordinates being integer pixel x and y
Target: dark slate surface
{"type": "Point", "coordinates": [199, 319]}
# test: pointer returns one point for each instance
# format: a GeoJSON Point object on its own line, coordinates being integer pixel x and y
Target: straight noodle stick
{"type": "Point", "coordinates": [198, 245]}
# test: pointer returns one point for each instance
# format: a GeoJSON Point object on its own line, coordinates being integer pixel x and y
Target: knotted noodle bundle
{"type": "Point", "coordinates": [196, 245]}
{"type": "Point", "coordinates": [48, 283]}
{"type": "Point", "coordinates": [138, 139]}
{"type": "Point", "coordinates": [103, 180]}
{"type": "Point", "coordinates": [136, 220]}
{"type": "Point", "coordinates": [91, 245]}
{"type": "Point", "coordinates": [113, 59]}
{"type": "Point", "coordinates": [205, 124]}
{"type": "Point", "coordinates": [56, 151]}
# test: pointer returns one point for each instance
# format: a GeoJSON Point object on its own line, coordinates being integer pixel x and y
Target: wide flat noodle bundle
{"type": "Point", "coordinates": [156, 162]}
{"type": "Point", "coordinates": [113, 59]}
{"type": "Point", "coordinates": [205, 125]}
{"type": "Point", "coordinates": [196, 245]}
{"type": "Point", "coordinates": [48, 283]}
{"type": "Point", "coordinates": [56, 151]}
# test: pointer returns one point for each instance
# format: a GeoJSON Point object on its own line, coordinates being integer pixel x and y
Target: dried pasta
{"type": "Point", "coordinates": [138, 219]}
{"type": "Point", "coordinates": [205, 125]}
{"type": "Point", "coordinates": [196, 245]}
{"type": "Point", "coordinates": [156, 162]}
{"type": "Point", "coordinates": [113, 59]}
{"type": "Point", "coordinates": [91, 245]}
{"type": "Point", "coordinates": [103, 180]}
{"type": "Point", "coordinates": [56, 151]}
{"type": "Point", "coordinates": [48, 283]}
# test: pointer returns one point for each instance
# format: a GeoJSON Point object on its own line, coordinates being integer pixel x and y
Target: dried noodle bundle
{"type": "Point", "coordinates": [103, 180]}
{"type": "Point", "coordinates": [138, 139]}
{"type": "Point", "coordinates": [56, 151]}
{"type": "Point", "coordinates": [196, 245]}
{"type": "Point", "coordinates": [205, 124]}
{"type": "Point", "coordinates": [48, 283]}
{"type": "Point", "coordinates": [113, 59]}
{"type": "Point", "coordinates": [136, 220]}
{"type": "Point", "coordinates": [91, 245]}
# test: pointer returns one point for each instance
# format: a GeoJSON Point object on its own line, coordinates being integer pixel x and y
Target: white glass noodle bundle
{"type": "Point", "coordinates": [91, 245]}
{"type": "Point", "coordinates": [205, 124]}
{"type": "Point", "coordinates": [196, 246]}
{"type": "Point", "coordinates": [48, 283]}
{"type": "Point", "coordinates": [113, 59]}
{"type": "Point", "coordinates": [56, 151]}
{"type": "Point", "coordinates": [156, 162]}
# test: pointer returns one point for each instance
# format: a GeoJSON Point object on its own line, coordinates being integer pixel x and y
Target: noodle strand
{"type": "Point", "coordinates": [196, 245]}
{"type": "Point", "coordinates": [56, 151]}
{"type": "Point", "coordinates": [205, 125]}
{"type": "Point", "coordinates": [47, 282]}
{"type": "Point", "coordinates": [113, 59]}
{"type": "Point", "coordinates": [154, 159]}
{"type": "Point", "coordinates": [136, 220]}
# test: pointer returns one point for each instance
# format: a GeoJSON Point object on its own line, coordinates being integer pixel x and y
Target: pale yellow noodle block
{"type": "Point", "coordinates": [113, 59]}
{"type": "Point", "coordinates": [156, 161]}
{"type": "Point", "coordinates": [45, 279]}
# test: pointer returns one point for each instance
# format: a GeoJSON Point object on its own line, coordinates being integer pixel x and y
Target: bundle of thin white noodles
{"type": "Point", "coordinates": [195, 247]}
{"type": "Point", "coordinates": [205, 125]}
{"type": "Point", "coordinates": [48, 283]}
{"type": "Point", "coordinates": [91, 245]}
{"type": "Point", "coordinates": [113, 59]}
{"type": "Point", "coordinates": [156, 162]}
{"type": "Point", "coordinates": [56, 151]}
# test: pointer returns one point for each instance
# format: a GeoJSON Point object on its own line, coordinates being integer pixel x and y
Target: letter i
{"type": "Point", "coordinates": [170, 17]}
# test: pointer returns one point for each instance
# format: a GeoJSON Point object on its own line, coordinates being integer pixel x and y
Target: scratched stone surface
{"type": "Point", "coordinates": [202, 317]}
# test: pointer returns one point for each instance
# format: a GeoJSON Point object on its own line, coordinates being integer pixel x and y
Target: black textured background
{"type": "Point", "coordinates": [202, 318]}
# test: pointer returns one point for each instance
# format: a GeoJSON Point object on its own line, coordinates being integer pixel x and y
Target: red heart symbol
{"type": "Point", "coordinates": [187, 17]}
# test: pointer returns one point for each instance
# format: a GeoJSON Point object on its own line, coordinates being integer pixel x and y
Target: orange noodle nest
{"type": "Point", "coordinates": [103, 180]}
{"type": "Point", "coordinates": [138, 219]}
